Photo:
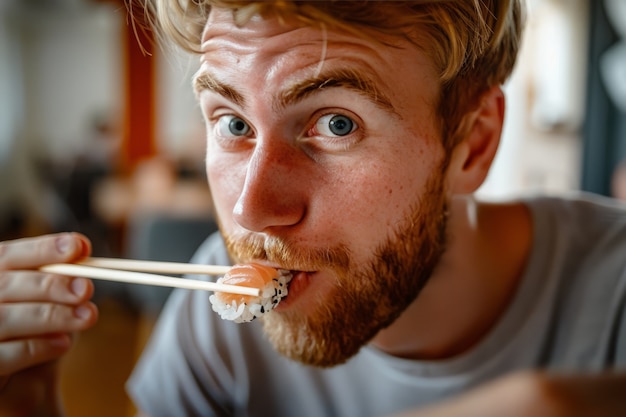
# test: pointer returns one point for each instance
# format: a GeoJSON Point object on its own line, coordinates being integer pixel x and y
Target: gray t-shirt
{"type": "Point", "coordinates": [569, 313]}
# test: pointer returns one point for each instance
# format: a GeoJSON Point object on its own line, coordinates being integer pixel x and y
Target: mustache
{"type": "Point", "coordinates": [276, 250]}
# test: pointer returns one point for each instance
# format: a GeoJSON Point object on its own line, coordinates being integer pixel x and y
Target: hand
{"type": "Point", "coordinates": [538, 394]}
{"type": "Point", "coordinates": [39, 312]}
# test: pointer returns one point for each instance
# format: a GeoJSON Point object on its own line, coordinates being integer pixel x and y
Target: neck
{"type": "Point", "coordinates": [488, 246]}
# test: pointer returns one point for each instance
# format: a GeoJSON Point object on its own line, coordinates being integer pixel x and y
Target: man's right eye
{"type": "Point", "coordinates": [229, 125]}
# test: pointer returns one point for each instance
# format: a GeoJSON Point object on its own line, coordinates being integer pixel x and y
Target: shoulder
{"type": "Point", "coordinates": [592, 228]}
{"type": "Point", "coordinates": [582, 240]}
{"type": "Point", "coordinates": [584, 230]}
{"type": "Point", "coordinates": [577, 241]}
{"type": "Point", "coordinates": [584, 211]}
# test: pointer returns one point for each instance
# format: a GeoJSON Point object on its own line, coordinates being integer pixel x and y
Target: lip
{"type": "Point", "coordinates": [298, 284]}
{"type": "Point", "coordinates": [296, 287]}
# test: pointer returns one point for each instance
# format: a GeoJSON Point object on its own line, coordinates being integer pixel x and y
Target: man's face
{"type": "Point", "coordinates": [323, 157]}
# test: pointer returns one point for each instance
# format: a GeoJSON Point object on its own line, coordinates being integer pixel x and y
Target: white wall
{"type": "Point", "coordinates": [73, 71]}
{"type": "Point", "coordinates": [541, 143]}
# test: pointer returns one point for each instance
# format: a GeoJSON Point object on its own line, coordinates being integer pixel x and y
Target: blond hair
{"type": "Point", "coordinates": [472, 43]}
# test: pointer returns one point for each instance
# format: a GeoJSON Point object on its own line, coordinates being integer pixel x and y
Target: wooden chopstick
{"type": "Point", "coordinates": [145, 279]}
{"type": "Point", "coordinates": [154, 266]}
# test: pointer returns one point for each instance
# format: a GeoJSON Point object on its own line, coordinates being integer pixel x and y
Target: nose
{"type": "Point", "coordinates": [274, 191]}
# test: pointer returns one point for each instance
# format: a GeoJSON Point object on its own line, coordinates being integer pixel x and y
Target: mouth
{"type": "Point", "coordinates": [296, 286]}
{"type": "Point", "coordinates": [299, 282]}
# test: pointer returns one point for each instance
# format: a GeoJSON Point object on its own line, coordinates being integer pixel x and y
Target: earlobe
{"type": "Point", "coordinates": [473, 156]}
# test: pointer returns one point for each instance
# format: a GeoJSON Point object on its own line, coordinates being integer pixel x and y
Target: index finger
{"type": "Point", "coordinates": [30, 253]}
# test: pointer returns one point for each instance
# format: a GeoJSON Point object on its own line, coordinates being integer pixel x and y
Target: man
{"type": "Point", "coordinates": [344, 141]}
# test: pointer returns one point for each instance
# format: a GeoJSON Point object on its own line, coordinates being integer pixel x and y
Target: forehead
{"type": "Point", "coordinates": [283, 51]}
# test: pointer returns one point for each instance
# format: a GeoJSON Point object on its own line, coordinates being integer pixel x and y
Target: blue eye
{"type": "Point", "coordinates": [335, 125]}
{"type": "Point", "coordinates": [230, 125]}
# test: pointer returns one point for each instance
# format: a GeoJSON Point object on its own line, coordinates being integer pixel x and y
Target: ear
{"type": "Point", "coordinates": [472, 156]}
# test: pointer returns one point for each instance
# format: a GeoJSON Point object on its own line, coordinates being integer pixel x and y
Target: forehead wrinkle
{"type": "Point", "coordinates": [206, 81]}
{"type": "Point", "coordinates": [344, 78]}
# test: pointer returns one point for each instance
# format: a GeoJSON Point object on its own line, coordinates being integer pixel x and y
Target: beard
{"type": "Point", "coordinates": [365, 297]}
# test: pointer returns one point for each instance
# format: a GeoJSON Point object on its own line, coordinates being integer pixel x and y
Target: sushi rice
{"type": "Point", "coordinates": [269, 297]}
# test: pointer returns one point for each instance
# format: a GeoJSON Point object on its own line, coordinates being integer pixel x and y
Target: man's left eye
{"type": "Point", "coordinates": [230, 125]}
{"type": "Point", "coordinates": [335, 125]}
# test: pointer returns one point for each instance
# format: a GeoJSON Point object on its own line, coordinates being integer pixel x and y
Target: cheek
{"type": "Point", "coordinates": [373, 198]}
{"type": "Point", "coordinates": [363, 204]}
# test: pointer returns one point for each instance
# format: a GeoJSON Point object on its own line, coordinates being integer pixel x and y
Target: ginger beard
{"type": "Point", "coordinates": [367, 297]}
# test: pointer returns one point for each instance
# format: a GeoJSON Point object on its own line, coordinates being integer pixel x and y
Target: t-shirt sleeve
{"type": "Point", "coordinates": [183, 371]}
{"type": "Point", "coordinates": [166, 380]}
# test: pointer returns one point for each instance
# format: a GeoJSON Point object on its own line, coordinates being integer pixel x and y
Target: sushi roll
{"type": "Point", "coordinates": [272, 284]}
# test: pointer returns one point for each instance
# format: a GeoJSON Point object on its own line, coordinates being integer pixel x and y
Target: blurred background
{"type": "Point", "coordinates": [99, 136]}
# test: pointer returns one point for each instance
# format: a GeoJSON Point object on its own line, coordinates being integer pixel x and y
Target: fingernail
{"type": "Point", "coordinates": [82, 312]}
{"type": "Point", "coordinates": [64, 243]}
{"type": "Point", "coordinates": [79, 286]}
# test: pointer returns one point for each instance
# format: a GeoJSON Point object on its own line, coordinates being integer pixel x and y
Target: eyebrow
{"type": "Point", "coordinates": [345, 78]}
{"type": "Point", "coordinates": [206, 81]}
{"type": "Point", "coordinates": [342, 78]}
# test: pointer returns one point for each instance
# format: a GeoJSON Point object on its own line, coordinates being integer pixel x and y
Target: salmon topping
{"type": "Point", "coordinates": [246, 275]}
